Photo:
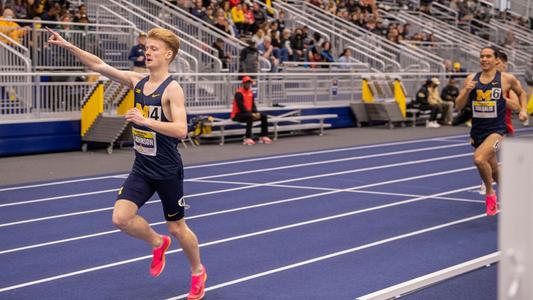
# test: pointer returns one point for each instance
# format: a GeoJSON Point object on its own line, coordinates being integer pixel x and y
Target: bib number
{"type": "Point", "coordinates": [144, 142]}
{"type": "Point", "coordinates": [484, 109]}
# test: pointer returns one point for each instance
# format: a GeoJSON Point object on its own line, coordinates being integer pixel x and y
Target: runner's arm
{"type": "Point", "coordinates": [94, 63]}
{"type": "Point", "coordinates": [468, 86]}
{"type": "Point", "coordinates": [522, 97]}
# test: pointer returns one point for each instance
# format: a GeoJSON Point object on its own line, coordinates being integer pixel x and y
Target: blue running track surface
{"type": "Point", "coordinates": [332, 224]}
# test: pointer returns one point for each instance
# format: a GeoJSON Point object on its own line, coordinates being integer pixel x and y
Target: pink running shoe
{"type": "Point", "coordinates": [158, 257]}
{"type": "Point", "coordinates": [248, 142]}
{"type": "Point", "coordinates": [265, 140]}
{"type": "Point", "coordinates": [197, 291]}
{"type": "Point", "coordinates": [492, 204]}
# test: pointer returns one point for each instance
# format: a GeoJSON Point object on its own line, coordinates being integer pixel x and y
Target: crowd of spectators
{"type": "Point", "coordinates": [45, 10]}
{"type": "Point", "coordinates": [263, 29]}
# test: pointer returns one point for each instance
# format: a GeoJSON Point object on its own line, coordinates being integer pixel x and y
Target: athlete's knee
{"type": "Point", "coordinates": [178, 228]}
{"type": "Point", "coordinates": [121, 221]}
{"type": "Point", "coordinates": [479, 159]}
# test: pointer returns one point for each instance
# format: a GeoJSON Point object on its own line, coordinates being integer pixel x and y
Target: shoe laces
{"type": "Point", "coordinates": [196, 284]}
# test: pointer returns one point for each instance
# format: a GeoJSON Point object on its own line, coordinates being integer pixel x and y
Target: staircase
{"type": "Point", "coordinates": [109, 130]}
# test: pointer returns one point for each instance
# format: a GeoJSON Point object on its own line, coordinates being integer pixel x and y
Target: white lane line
{"type": "Point", "coordinates": [304, 187]}
{"type": "Point", "coordinates": [58, 183]}
{"type": "Point", "coordinates": [276, 182]}
{"type": "Point", "coordinates": [58, 197]}
{"type": "Point", "coordinates": [332, 161]}
{"type": "Point", "coordinates": [234, 238]}
{"type": "Point", "coordinates": [243, 172]}
{"type": "Point", "coordinates": [232, 162]}
{"type": "Point", "coordinates": [343, 173]}
{"type": "Point", "coordinates": [335, 254]}
{"type": "Point", "coordinates": [248, 207]}
{"type": "Point", "coordinates": [427, 280]}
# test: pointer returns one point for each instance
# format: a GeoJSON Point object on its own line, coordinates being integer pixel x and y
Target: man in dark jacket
{"type": "Point", "coordinates": [249, 58]}
{"type": "Point", "coordinates": [137, 54]}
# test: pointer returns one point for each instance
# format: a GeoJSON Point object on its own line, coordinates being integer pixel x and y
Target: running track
{"type": "Point", "coordinates": [318, 225]}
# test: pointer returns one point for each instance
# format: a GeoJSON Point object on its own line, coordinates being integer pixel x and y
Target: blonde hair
{"type": "Point", "coordinates": [168, 37]}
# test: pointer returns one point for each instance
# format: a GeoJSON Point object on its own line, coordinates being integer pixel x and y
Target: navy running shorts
{"type": "Point", "coordinates": [139, 189]}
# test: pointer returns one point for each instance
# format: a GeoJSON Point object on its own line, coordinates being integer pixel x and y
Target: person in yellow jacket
{"type": "Point", "coordinates": [237, 16]}
{"type": "Point", "coordinates": [10, 28]}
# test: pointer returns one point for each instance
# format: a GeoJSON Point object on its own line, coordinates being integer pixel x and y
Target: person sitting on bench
{"type": "Point", "coordinates": [245, 111]}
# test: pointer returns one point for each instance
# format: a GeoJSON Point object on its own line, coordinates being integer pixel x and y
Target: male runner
{"type": "Point", "coordinates": [159, 120]}
{"type": "Point", "coordinates": [502, 66]}
{"type": "Point", "coordinates": [485, 91]}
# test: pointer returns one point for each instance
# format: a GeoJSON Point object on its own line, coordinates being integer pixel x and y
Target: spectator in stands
{"type": "Point", "coordinates": [267, 51]}
{"type": "Point", "coordinates": [258, 36]}
{"type": "Point", "coordinates": [249, 19]}
{"type": "Point", "coordinates": [357, 18]}
{"type": "Point", "coordinates": [425, 6]}
{"type": "Point", "coordinates": [52, 14]}
{"type": "Point", "coordinates": [259, 16]}
{"type": "Point", "coordinates": [280, 52]}
{"type": "Point", "coordinates": [372, 26]}
{"type": "Point", "coordinates": [422, 103]}
{"type": "Point", "coordinates": [450, 92]}
{"type": "Point", "coordinates": [404, 31]}
{"type": "Point", "coordinates": [81, 13]}
{"type": "Point", "coordinates": [510, 40]}
{"type": "Point", "coordinates": [458, 69]}
{"type": "Point", "coordinates": [19, 8]}
{"type": "Point", "coordinates": [225, 58]}
{"type": "Point", "coordinates": [297, 45]}
{"type": "Point", "coordinates": [237, 16]}
{"type": "Point", "coordinates": [393, 34]}
{"type": "Point", "coordinates": [313, 56]}
{"type": "Point", "coordinates": [198, 10]}
{"type": "Point", "coordinates": [223, 25]}
{"type": "Point", "coordinates": [332, 7]}
{"type": "Point", "coordinates": [10, 28]}
{"type": "Point", "coordinates": [281, 21]}
{"type": "Point", "coordinates": [244, 110]}
{"type": "Point", "coordinates": [369, 7]}
{"type": "Point", "coordinates": [137, 54]}
{"type": "Point", "coordinates": [434, 99]}
{"type": "Point", "coordinates": [82, 20]}
{"type": "Point", "coordinates": [326, 54]}
{"type": "Point", "coordinates": [448, 66]}
{"type": "Point", "coordinates": [318, 40]}
{"type": "Point", "coordinates": [345, 58]}
{"type": "Point", "coordinates": [40, 7]}
{"type": "Point", "coordinates": [249, 58]}
{"type": "Point", "coordinates": [286, 44]}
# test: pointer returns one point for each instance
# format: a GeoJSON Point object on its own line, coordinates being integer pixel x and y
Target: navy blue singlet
{"type": "Point", "coordinates": [488, 108]}
{"type": "Point", "coordinates": [156, 154]}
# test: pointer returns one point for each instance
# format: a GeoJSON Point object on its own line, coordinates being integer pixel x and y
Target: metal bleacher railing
{"type": "Point", "coordinates": [398, 58]}
{"type": "Point", "coordinates": [63, 97]}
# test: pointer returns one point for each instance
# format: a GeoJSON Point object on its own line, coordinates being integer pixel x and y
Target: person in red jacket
{"type": "Point", "coordinates": [245, 111]}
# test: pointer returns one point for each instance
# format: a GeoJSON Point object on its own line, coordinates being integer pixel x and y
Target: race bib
{"type": "Point", "coordinates": [484, 109]}
{"type": "Point", "coordinates": [144, 142]}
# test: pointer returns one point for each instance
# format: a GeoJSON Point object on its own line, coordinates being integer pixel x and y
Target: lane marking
{"type": "Point", "coordinates": [334, 254]}
{"type": "Point", "coordinates": [232, 174]}
{"type": "Point", "coordinates": [232, 162]}
{"type": "Point", "coordinates": [253, 234]}
{"type": "Point", "coordinates": [244, 208]}
{"type": "Point", "coordinates": [274, 182]}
